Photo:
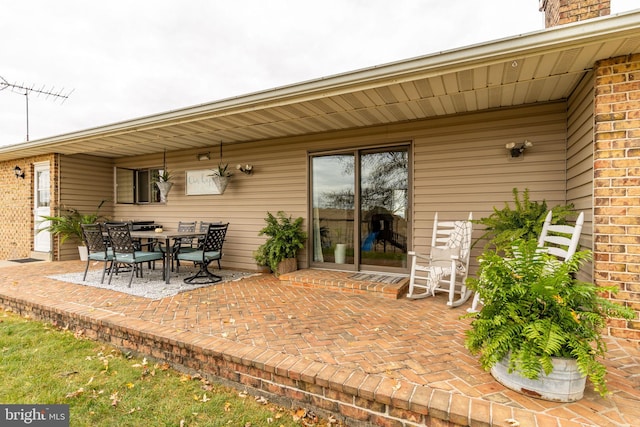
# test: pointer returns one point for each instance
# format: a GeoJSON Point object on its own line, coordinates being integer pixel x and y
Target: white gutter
{"type": "Point", "coordinates": [599, 30]}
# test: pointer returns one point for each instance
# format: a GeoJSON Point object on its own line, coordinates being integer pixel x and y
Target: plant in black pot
{"type": "Point", "coordinates": [538, 320]}
{"type": "Point", "coordinates": [286, 237]}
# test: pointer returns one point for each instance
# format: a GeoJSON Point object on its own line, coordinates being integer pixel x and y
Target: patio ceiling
{"type": "Point", "coordinates": [537, 67]}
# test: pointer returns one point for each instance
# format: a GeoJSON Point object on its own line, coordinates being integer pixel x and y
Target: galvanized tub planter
{"type": "Point", "coordinates": [564, 384]}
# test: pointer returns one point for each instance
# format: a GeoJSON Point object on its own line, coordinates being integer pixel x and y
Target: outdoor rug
{"type": "Point", "coordinates": [377, 278]}
{"type": "Point", "coordinates": [151, 284]}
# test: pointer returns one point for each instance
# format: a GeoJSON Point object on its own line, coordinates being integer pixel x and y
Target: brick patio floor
{"type": "Point", "coordinates": [413, 345]}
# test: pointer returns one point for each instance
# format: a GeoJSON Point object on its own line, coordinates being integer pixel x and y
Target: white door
{"type": "Point", "coordinates": [41, 206]}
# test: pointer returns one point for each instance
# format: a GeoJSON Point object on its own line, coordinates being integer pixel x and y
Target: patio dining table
{"type": "Point", "coordinates": [167, 236]}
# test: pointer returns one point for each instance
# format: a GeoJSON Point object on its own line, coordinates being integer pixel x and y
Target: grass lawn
{"type": "Point", "coordinates": [41, 364]}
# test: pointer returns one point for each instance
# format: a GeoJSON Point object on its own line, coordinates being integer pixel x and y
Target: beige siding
{"type": "Point", "coordinates": [84, 182]}
{"type": "Point", "coordinates": [278, 183]}
{"type": "Point", "coordinates": [580, 161]}
{"type": "Point", "coordinates": [580, 154]}
{"type": "Point", "coordinates": [459, 164]}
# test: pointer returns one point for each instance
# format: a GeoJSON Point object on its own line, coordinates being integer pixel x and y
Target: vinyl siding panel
{"type": "Point", "coordinates": [462, 165]}
{"type": "Point", "coordinates": [459, 164]}
{"type": "Point", "coordinates": [84, 182]}
{"type": "Point", "coordinates": [580, 160]}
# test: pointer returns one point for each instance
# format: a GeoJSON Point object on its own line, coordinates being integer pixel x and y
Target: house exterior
{"type": "Point", "coordinates": [368, 157]}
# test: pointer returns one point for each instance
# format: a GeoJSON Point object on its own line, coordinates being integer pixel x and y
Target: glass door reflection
{"type": "Point", "coordinates": [333, 189]}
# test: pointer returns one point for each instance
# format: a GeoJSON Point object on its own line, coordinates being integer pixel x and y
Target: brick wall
{"type": "Point", "coordinates": [16, 205]}
{"type": "Point", "coordinates": [617, 184]}
{"type": "Point", "coordinates": [558, 12]}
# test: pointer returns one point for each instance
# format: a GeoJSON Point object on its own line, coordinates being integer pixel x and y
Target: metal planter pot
{"type": "Point", "coordinates": [564, 384]}
{"type": "Point", "coordinates": [220, 182]}
{"type": "Point", "coordinates": [164, 188]}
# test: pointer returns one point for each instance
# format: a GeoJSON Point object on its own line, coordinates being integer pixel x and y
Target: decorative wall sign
{"type": "Point", "coordinates": [199, 182]}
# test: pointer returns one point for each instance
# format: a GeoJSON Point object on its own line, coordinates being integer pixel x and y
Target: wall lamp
{"type": "Point", "coordinates": [247, 169]}
{"type": "Point", "coordinates": [203, 156]}
{"type": "Point", "coordinates": [19, 172]}
{"type": "Point", "coordinates": [516, 149]}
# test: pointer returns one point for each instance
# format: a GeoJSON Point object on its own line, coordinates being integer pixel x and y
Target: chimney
{"type": "Point", "coordinates": [559, 12]}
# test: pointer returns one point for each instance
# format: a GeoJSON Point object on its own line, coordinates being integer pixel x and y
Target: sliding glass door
{"type": "Point", "coordinates": [359, 204]}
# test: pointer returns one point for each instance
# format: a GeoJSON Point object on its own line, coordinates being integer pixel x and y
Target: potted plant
{"type": "Point", "coordinates": [164, 184]}
{"type": "Point", "coordinates": [523, 221]}
{"type": "Point", "coordinates": [68, 225]}
{"type": "Point", "coordinates": [221, 176]}
{"type": "Point", "coordinates": [286, 237]}
{"type": "Point", "coordinates": [537, 318]}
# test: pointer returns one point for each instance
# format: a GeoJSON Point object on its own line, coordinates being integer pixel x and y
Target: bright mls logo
{"type": "Point", "coordinates": [34, 415]}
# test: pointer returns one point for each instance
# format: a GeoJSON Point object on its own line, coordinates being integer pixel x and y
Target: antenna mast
{"type": "Point", "coordinates": [25, 90]}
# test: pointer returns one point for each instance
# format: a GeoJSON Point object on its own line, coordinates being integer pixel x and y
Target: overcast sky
{"type": "Point", "coordinates": [134, 58]}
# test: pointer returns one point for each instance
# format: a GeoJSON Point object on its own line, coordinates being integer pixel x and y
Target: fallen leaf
{"type": "Point", "coordinates": [130, 385]}
{"type": "Point", "coordinates": [76, 393]}
{"type": "Point", "coordinates": [261, 400]}
{"type": "Point", "coordinates": [512, 422]}
{"type": "Point", "coordinates": [243, 394]}
{"type": "Point", "coordinates": [227, 407]}
{"type": "Point", "coordinates": [114, 399]}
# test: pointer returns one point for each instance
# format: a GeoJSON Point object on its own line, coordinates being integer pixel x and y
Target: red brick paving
{"type": "Point", "coordinates": [361, 341]}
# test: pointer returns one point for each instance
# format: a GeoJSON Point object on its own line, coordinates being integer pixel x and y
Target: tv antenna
{"type": "Point", "coordinates": [26, 90]}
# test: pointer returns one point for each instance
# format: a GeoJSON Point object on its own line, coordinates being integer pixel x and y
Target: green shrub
{"type": "Point", "coordinates": [534, 309]}
{"type": "Point", "coordinates": [286, 238]}
{"type": "Point", "coordinates": [524, 221]}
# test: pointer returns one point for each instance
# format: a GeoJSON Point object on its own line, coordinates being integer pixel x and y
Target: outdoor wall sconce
{"type": "Point", "coordinates": [203, 156]}
{"type": "Point", "coordinates": [516, 149]}
{"type": "Point", "coordinates": [247, 169]}
{"type": "Point", "coordinates": [19, 172]}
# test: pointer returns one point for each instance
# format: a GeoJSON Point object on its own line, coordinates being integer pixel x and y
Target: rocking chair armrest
{"type": "Point", "coordinates": [418, 255]}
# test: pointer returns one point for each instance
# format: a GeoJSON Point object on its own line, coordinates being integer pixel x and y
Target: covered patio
{"type": "Point", "coordinates": [315, 340]}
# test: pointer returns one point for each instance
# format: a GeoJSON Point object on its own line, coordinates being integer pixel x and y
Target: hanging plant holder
{"type": "Point", "coordinates": [221, 176]}
{"type": "Point", "coordinates": [221, 182]}
{"type": "Point", "coordinates": [164, 188]}
{"type": "Point", "coordinates": [163, 183]}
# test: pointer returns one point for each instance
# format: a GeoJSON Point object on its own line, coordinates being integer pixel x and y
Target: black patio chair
{"type": "Point", "coordinates": [125, 251]}
{"type": "Point", "coordinates": [184, 244]}
{"type": "Point", "coordinates": [97, 245]}
{"type": "Point", "coordinates": [211, 250]}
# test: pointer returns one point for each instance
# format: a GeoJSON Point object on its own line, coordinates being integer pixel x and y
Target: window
{"type": "Point", "coordinates": [137, 186]}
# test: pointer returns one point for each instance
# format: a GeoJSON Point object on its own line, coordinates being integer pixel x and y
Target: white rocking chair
{"type": "Point", "coordinates": [560, 241]}
{"type": "Point", "coordinates": [445, 269]}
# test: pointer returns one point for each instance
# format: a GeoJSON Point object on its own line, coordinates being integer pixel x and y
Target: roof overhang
{"type": "Point", "coordinates": [542, 66]}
